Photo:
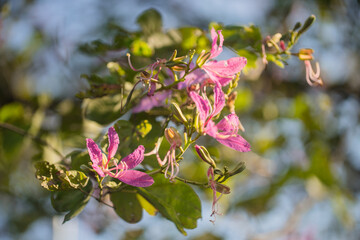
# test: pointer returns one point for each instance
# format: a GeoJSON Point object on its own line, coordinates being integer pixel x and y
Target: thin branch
{"type": "Point", "coordinates": [32, 137]}
{"type": "Point", "coordinates": [96, 198]}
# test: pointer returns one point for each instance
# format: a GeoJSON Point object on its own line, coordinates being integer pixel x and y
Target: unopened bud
{"type": "Point", "coordinates": [297, 26]}
{"type": "Point", "coordinates": [173, 56]}
{"type": "Point", "coordinates": [204, 56]}
{"type": "Point", "coordinates": [173, 136]}
{"type": "Point", "coordinates": [306, 54]}
{"type": "Point", "coordinates": [205, 155]}
{"type": "Point", "coordinates": [238, 169]}
{"type": "Point", "coordinates": [178, 113]}
{"type": "Point", "coordinates": [179, 68]}
{"type": "Point", "coordinates": [282, 45]}
{"type": "Point", "coordinates": [274, 39]}
{"type": "Point", "coordinates": [309, 21]}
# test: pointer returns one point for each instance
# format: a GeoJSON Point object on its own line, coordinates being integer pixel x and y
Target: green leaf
{"type": "Point", "coordinates": [127, 206]}
{"type": "Point", "coordinates": [251, 58]}
{"type": "Point", "coordinates": [272, 58]}
{"type": "Point", "coordinates": [79, 158]}
{"type": "Point", "coordinates": [55, 177]}
{"type": "Point", "coordinates": [103, 110]}
{"type": "Point", "coordinates": [190, 37]}
{"type": "Point", "coordinates": [141, 48]}
{"type": "Point", "coordinates": [150, 21]}
{"type": "Point", "coordinates": [113, 184]}
{"type": "Point", "coordinates": [175, 201]}
{"type": "Point", "coordinates": [48, 175]}
{"type": "Point", "coordinates": [72, 201]}
{"type": "Point", "coordinates": [320, 165]}
{"type": "Point", "coordinates": [11, 112]}
{"type": "Point", "coordinates": [240, 37]}
{"type": "Point", "coordinates": [74, 178]}
{"type": "Point", "coordinates": [95, 47]}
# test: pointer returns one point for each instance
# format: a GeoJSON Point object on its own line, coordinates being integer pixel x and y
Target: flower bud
{"type": "Point", "coordinates": [205, 155]}
{"type": "Point", "coordinates": [297, 26]}
{"type": "Point", "coordinates": [274, 39]}
{"type": "Point", "coordinates": [309, 21]}
{"type": "Point", "coordinates": [204, 56]}
{"type": "Point", "coordinates": [238, 169]}
{"type": "Point", "coordinates": [306, 54]}
{"type": "Point", "coordinates": [179, 68]}
{"type": "Point", "coordinates": [173, 56]}
{"type": "Point", "coordinates": [173, 136]}
{"type": "Point", "coordinates": [178, 113]}
{"type": "Point", "coordinates": [282, 45]}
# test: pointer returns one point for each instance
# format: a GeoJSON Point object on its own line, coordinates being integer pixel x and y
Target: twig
{"type": "Point", "coordinates": [34, 138]}
{"type": "Point", "coordinates": [97, 199]}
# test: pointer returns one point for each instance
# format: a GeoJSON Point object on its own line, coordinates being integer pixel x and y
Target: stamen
{"type": "Point", "coordinates": [131, 66]}
{"type": "Point", "coordinates": [311, 76]}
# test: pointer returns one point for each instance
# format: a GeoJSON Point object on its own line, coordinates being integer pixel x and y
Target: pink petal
{"type": "Point", "coordinates": [152, 88]}
{"type": "Point", "coordinates": [230, 123]}
{"type": "Point", "coordinates": [99, 170]}
{"type": "Point", "coordinates": [211, 129]}
{"type": "Point", "coordinates": [95, 156]}
{"type": "Point", "coordinates": [202, 105]}
{"type": "Point", "coordinates": [215, 49]}
{"type": "Point", "coordinates": [94, 151]}
{"type": "Point", "coordinates": [136, 178]}
{"type": "Point", "coordinates": [219, 100]}
{"type": "Point", "coordinates": [215, 78]}
{"type": "Point", "coordinates": [113, 142]}
{"type": "Point", "coordinates": [149, 102]}
{"type": "Point", "coordinates": [134, 158]}
{"type": "Point", "coordinates": [196, 77]}
{"type": "Point", "coordinates": [237, 143]}
{"type": "Point", "coordinates": [224, 71]}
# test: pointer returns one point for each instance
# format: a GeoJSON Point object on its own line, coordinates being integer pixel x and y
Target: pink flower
{"type": "Point", "coordinates": [148, 102]}
{"type": "Point", "coordinates": [122, 169]}
{"type": "Point", "coordinates": [226, 130]}
{"type": "Point", "coordinates": [222, 71]}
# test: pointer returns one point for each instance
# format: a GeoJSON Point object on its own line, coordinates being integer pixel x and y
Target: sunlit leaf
{"type": "Point", "coordinates": [175, 201]}
{"type": "Point", "coordinates": [144, 128]}
{"type": "Point", "coordinates": [55, 177]}
{"type": "Point", "coordinates": [141, 48]}
{"type": "Point", "coordinates": [150, 209]}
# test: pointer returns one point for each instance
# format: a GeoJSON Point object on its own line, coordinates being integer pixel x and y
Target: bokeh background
{"type": "Point", "coordinates": [302, 177]}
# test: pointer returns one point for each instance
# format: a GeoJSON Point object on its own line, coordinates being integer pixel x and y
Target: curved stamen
{"type": "Point", "coordinates": [131, 66]}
